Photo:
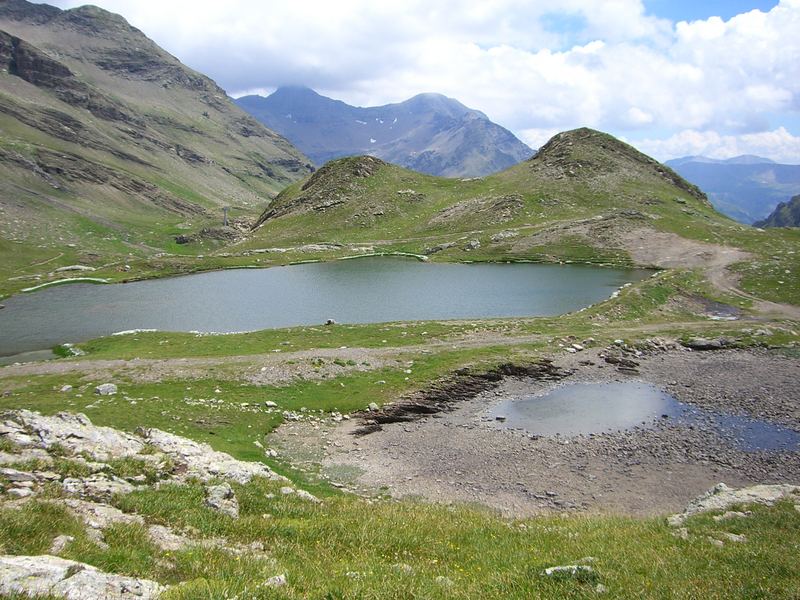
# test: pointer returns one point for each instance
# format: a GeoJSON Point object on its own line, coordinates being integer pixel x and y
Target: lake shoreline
{"type": "Point", "coordinates": [646, 470]}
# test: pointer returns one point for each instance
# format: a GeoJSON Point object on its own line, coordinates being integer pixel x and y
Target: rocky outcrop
{"type": "Point", "coordinates": [786, 214]}
{"type": "Point", "coordinates": [721, 497]}
{"type": "Point", "coordinates": [75, 434]}
{"type": "Point", "coordinates": [71, 580]}
{"type": "Point", "coordinates": [586, 154]}
{"type": "Point", "coordinates": [27, 62]}
{"type": "Point", "coordinates": [201, 461]}
{"type": "Point", "coordinates": [327, 188]}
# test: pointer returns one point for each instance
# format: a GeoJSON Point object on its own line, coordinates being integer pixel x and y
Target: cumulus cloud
{"type": "Point", "coordinates": [532, 66]}
{"type": "Point", "coordinates": [778, 144]}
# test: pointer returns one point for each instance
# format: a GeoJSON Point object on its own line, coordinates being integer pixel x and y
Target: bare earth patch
{"type": "Point", "coordinates": [460, 457]}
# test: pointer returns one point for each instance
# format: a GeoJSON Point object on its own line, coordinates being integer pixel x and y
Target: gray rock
{"type": "Point", "coordinates": [681, 533]}
{"type": "Point", "coordinates": [66, 388]}
{"type": "Point", "coordinates": [732, 514]}
{"type": "Point", "coordinates": [722, 497]}
{"type": "Point", "coordinates": [472, 245]}
{"type": "Point", "coordinates": [96, 487]}
{"type": "Point", "coordinates": [106, 389]}
{"type": "Point", "coordinates": [59, 543]}
{"type": "Point", "coordinates": [20, 492]}
{"type": "Point", "coordinates": [276, 581]}
{"type": "Point", "coordinates": [74, 268]}
{"type": "Point", "coordinates": [373, 406]}
{"type": "Point", "coordinates": [504, 235]}
{"type": "Point", "coordinates": [97, 515]}
{"type": "Point", "coordinates": [166, 539]}
{"type": "Point", "coordinates": [308, 496]}
{"type": "Point", "coordinates": [701, 343]}
{"type": "Point", "coordinates": [570, 572]}
{"type": "Point", "coordinates": [15, 476]}
{"type": "Point", "coordinates": [73, 432]}
{"type": "Point", "coordinates": [76, 434]}
{"type": "Point", "coordinates": [203, 462]}
{"type": "Point", "coordinates": [222, 499]}
{"type": "Point", "coordinates": [51, 575]}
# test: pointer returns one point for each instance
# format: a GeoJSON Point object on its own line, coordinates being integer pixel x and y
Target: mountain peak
{"type": "Point", "coordinates": [429, 132]}
{"type": "Point", "coordinates": [585, 153]}
{"type": "Point", "coordinates": [786, 214]}
{"type": "Point", "coordinates": [295, 90]}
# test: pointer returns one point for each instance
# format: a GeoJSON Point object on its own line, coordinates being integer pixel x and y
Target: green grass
{"type": "Point", "coordinates": [348, 548]}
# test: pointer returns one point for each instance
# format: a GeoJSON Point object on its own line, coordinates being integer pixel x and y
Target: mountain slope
{"type": "Point", "coordinates": [110, 146]}
{"type": "Point", "coordinates": [745, 188]}
{"type": "Point", "coordinates": [428, 133]}
{"type": "Point", "coordinates": [786, 214]}
{"type": "Point", "coordinates": [585, 193]}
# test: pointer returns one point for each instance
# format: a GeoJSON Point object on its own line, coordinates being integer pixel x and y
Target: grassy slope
{"type": "Point", "coordinates": [168, 107]}
{"type": "Point", "coordinates": [580, 177]}
{"type": "Point", "coordinates": [349, 548]}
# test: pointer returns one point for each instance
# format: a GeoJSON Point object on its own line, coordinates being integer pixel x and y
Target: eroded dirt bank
{"type": "Point", "coordinates": [459, 456]}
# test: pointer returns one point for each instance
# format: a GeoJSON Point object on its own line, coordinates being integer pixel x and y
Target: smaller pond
{"type": "Point", "coordinates": [585, 408]}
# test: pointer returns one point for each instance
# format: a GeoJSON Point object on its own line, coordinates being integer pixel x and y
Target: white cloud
{"type": "Point", "coordinates": [622, 71]}
{"type": "Point", "coordinates": [778, 144]}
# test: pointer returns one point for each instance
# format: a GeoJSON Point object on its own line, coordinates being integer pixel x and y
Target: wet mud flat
{"type": "Point", "coordinates": [463, 454]}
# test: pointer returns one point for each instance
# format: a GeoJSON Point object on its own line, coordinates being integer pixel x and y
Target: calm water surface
{"type": "Point", "coordinates": [368, 290]}
{"type": "Point", "coordinates": [584, 408]}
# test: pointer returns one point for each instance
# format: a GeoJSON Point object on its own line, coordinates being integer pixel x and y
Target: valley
{"type": "Point", "coordinates": [567, 376]}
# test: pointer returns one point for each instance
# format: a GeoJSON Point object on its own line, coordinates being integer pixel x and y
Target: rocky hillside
{"type": "Point", "coordinates": [745, 188]}
{"type": "Point", "coordinates": [786, 214]}
{"type": "Point", "coordinates": [429, 133]}
{"type": "Point", "coordinates": [584, 189]}
{"type": "Point", "coordinates": [109, 145]}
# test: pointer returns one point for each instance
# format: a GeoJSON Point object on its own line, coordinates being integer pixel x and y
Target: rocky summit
{"type": "Point", "coordinates": [428, 133]}
{"type": "Point", "coordinates": [786, 214]}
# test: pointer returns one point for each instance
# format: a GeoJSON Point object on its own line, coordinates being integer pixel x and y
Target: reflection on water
{"type": "Point", "coordinates": [584, 408]}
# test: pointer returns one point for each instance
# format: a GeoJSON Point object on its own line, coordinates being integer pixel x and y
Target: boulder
{"type": "Point", "coordinates": [222, 499]}
{"type": "Point", "coordinates": [202, 461]}
{"type": "Point", "coordinates": [106, 389]}
{"type": "Point", "coordinates": [96, 487]}
{"type": "Point", "coordinates": [276, 581]}
{"type": "Point", "coordinates": [701, 343]}
{"type": "Point", "coordinates": [59, 543]}
{"type": "Point", "coordinates": [68, 579]}
{"type": "Point", "coordinates": [76, 434]}
{"type": "Point", "coordinates": [582, 572]}
{"type": "Point", "coordinates": [16, 476]}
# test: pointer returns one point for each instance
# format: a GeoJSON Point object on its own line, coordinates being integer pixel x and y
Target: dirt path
{"type": "Point", "coordinates": [669, 250]}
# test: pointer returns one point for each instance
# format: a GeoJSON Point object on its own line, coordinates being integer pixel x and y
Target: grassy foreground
{"type": "Point", "coordinates": [351, 548]}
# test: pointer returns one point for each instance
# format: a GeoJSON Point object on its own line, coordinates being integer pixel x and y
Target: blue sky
{"type": "Point", "coordinates": [716, 77]}
{"type": "Point", "coordinates": [687, 10]}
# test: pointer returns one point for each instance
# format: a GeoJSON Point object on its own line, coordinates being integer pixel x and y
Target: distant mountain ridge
{"type": "Point", "coordinates": [428, 133]}
{"type": "Point", "coordinates": [742, 159]}
{"type": "Point", "coordinates": [746, 188]}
